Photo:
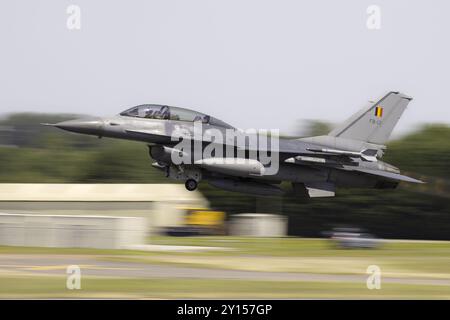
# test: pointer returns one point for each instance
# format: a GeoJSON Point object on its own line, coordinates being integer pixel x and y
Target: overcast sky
{"type": "Point", "coordinates": [254, 63]}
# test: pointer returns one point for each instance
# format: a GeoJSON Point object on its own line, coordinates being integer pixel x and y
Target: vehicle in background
{"type": "Point", "coordinates": [199, 222]}
{"type": "Point", "coordinates": [350, 238]}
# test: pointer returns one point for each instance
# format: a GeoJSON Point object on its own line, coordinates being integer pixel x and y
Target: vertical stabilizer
{"type": "Point", "coordinates": [374, 124]}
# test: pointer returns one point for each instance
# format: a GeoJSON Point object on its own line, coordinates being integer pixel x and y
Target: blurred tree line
{"type": "Point", "coordinates": [30, 152]}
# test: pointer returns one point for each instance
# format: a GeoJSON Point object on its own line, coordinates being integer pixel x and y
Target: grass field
{"type": "Point", "coordinates": [427, 261]}
{"type": "Point", "coordinates": [423, 259]}
{"type": "Point", "coordinates": [54, 287]}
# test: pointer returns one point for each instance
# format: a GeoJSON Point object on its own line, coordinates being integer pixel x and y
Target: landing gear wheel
{"type": "Point", "coordinates": [191, 184]}
{"type": "Point", "coordinates": [167, 171]}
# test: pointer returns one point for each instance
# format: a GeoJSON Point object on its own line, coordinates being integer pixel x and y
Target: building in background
{"type": "Point", "coordinates": [71, 231]}
{"type": "Point", "coordinates": [162, 205]}
{"type": "Point", "coordinates": [258, 225]}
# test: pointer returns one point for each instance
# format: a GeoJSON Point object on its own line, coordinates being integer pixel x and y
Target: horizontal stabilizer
{"type": "Point", "coordinates": [320, 189]}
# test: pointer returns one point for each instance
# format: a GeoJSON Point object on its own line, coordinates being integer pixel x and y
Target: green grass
{"type": "Point", "coordinates": [54, 287]}
{"type": "Point", "coordinates": [281, 247]}
{"type": "Point", "coordinates": [427, 259]}
{"type": "Point", "coordinates": [413, 260]}
{"type": "Point", "coordinates": [300, 246]}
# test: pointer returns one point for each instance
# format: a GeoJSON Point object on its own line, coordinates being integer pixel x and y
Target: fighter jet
{"type": "Point", "coordinates": [185, 147]}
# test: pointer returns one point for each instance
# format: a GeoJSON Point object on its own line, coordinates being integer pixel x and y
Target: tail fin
{"type": "Point", "coordinates": [375, 123]}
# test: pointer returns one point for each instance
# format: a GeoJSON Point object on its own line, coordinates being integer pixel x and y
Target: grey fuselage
{"type": "Point", "coordinates": [157, 133]}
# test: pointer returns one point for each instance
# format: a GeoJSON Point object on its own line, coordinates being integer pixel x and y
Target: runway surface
{"type": "Point", "coordinates": [52, 265]}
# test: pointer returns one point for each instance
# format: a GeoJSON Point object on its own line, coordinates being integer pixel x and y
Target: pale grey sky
{"type": "Point", "coordinates": [252, 63]}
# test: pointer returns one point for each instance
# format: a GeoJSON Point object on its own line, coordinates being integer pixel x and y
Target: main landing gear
{"type": "Point", "coordinates": [191, 184]}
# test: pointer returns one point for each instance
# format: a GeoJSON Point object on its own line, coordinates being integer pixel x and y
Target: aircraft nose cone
{"type": "Point", "coordinates": [87, 126]}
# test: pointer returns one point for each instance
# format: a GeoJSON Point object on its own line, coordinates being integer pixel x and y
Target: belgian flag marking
{"type": "Point", "coordinates": [378, 112]}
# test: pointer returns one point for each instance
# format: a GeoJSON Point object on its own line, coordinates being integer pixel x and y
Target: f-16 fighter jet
{"type": "Point", "coordinates": [191, 146]}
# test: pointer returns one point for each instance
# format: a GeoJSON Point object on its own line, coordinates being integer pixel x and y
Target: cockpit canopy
{"type": "Point", "coordinates": [161, 112]}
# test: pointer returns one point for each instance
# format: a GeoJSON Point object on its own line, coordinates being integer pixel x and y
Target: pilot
{"type": "Point", "coordinates": [149, 113]}
{"type": "Point", "coordinates": [202, 118]}
{"type": "Point", "coordinates": [164, 113]}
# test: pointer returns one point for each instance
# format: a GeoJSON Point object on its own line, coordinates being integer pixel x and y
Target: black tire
{"type": "Point", "coordinates": [191, 184]}
{"type": "Point", "coordinates": [167, 171]}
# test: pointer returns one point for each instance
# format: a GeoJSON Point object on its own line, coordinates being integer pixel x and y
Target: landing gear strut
{"type": "Point", "coordinates": [191, 184]}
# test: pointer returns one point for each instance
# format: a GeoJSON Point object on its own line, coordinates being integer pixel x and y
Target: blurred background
{"type": "Point", "coordinates": [68, 199]}
{"type": "Point", "coordinates": [31, 153]}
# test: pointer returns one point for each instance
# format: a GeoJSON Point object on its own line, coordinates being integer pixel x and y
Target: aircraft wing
{"type": "Point", "coordinates": [319, 156]}
{"type": "Point", "coordinates": [324, 161]}
{"type": "Point", "coordinates": [301, 148]}
{"type": "Point", "coordinates": [386, 174]}
{"type": "Point", "coordinates": [286, 146]}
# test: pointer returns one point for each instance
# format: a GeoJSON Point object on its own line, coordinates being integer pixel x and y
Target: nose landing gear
{"type": "Point", "coordinates": [191, 184]}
